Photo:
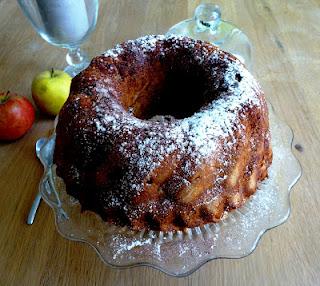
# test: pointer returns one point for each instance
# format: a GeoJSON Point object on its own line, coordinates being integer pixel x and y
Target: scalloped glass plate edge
{"type": "Point", "coordinates": [248, 216]}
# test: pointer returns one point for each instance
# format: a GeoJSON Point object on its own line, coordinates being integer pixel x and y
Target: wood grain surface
{"type": "Point", "coordinates": [286, 40]}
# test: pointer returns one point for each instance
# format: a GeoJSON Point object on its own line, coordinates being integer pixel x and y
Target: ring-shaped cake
{"type": "Point", "coordinates": [163, 133]}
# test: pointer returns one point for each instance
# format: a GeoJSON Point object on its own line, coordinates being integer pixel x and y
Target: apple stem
{"type": "Point", "coordinates": [4, 98]}
{"type": "Point", "coordinates": [52, 71]}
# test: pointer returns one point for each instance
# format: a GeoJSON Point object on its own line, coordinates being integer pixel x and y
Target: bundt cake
{"type": "Point", "coordinates": [163, 133]}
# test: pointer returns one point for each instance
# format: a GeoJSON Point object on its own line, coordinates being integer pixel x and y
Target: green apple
{"type": "Point", "coordinates": [50, 90]}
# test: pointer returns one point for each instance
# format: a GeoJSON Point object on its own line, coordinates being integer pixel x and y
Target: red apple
{"type": "Point", "coordinates": [16, 116]}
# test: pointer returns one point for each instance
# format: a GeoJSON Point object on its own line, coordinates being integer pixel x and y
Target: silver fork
{"type": "Point", "coordinates": [37, 200]}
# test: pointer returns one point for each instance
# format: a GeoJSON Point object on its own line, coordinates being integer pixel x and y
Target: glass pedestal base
{"type": "Point", "coordinates": [180, 253]}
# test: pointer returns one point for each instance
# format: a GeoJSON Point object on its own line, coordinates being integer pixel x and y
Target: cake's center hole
{"type": "Point", "coordinates": [171, 94]}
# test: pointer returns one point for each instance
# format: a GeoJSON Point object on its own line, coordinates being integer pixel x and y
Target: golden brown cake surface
{"type": "Point", "coordinates": [163, 133]}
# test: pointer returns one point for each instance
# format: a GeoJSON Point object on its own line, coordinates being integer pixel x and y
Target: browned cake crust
{"type": "Point", "coordinates": [163, 133]}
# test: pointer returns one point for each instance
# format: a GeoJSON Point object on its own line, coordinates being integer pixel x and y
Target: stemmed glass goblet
{"type": "Point", "coordinates": [64, 23]}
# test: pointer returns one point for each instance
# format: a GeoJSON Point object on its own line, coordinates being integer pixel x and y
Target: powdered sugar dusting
{"type": "Point", "coordinates": [198, 137]}
{"type": "Point", "coordinates": [145, 44]}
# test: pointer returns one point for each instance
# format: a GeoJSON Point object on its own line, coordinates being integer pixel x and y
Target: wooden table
{"type": "Point", "coordinates": [286, 40]}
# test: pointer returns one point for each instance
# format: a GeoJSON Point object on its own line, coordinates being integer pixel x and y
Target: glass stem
{"type": "Point", "coordinates": [75, 56]}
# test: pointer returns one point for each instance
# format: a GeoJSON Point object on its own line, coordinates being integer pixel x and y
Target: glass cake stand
{"type": "Point", "coordinates": [236, 236]}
